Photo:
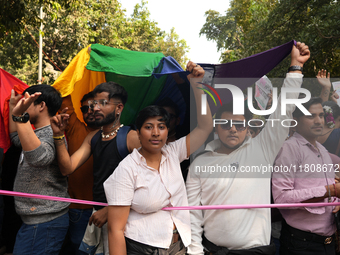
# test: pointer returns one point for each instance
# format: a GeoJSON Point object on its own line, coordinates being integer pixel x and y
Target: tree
{"type": "Point", "coordinates": [312, 22]}
{"type": "Point", "coordinates": [83, 23]}
{"type": "Point", "coordinates": [258, 25]}
{"type": "Point", "coordinates": [172, 46]}
{"type": "Point", "coordinates": [14, 15]}
{"type": "Point", "coordinates": [231, 31]}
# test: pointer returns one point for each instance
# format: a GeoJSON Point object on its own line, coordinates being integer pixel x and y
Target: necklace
{"type": "Point", "coordinates": [110, 134]}
{"type": "Point", "coordinates": [327, 132]}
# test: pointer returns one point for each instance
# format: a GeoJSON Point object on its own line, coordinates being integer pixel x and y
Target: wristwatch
{"type": "Point", "coordinates": [22, 118]}
{"type": "Point", "coordinates": [295, 68]}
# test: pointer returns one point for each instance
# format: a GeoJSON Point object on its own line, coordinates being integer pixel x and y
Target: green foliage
{"type": "Point", "coordinates": [69, 30]}
{"type": "Point", "coordinates": [14, 15]}
{"type": "Point", "coordinates": [230, 31]}
{"type": "Point", "coordinates": [253, 26]}
{"type": "Point", "coordinates": [172, 46]}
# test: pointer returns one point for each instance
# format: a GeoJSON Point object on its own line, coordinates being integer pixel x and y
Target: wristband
{"type": "Point", "coordinates": [334, 190]}
{"type": "Point", "coordinates": [295, 68]}
{"type": "Point", "coordinates": [59, 137]}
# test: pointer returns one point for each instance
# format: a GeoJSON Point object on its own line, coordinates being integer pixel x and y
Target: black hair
{"type": "Point", "coordinates": [86, 97]}
{"type": "Point", "coordinates": [152, 111]}
{"type": "Point", "coordinates": [314, 100]}
{"type": "Point", "coordinates": [114, 89]}
{"type": "Point", "coordinates": [257, 126]}
{"type": "Point", "coordinates": [167, 102]}
{"type": "Point", "coordinates": [335, 108]}
{"type": "Point", "coordinates": [49, 95]}
{"type": "Point", "coordinates": [229, 108]}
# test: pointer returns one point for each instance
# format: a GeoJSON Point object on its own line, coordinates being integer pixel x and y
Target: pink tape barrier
{"type": "Point", "coordinates": [61, 199]}
{"type": "Point", "coordinates": [202, 207]}
{"type": "Point", "coordinates": [245, 206]}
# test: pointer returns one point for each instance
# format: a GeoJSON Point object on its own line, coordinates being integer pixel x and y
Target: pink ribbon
{"type": "Point", "coordinates": [245, 206]}
{"type": "Point", "coordinates": [61, 199]}
{"type": "Point", "coordinates": [201, 207]}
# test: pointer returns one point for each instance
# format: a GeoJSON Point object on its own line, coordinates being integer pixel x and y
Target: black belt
{"type": "Point", "coordinates": [308, 236]}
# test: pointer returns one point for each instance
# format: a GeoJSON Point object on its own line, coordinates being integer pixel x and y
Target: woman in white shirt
{"type": "Point", "coordinates": [149, 179]}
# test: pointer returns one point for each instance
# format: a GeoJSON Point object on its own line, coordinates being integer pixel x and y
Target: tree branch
{"type": "Point", "coordinates": [326, 37]}
{"type": "Point", "coordinates": [297, 9]}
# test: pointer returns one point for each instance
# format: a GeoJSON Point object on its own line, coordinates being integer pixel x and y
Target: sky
{"type": "Point", "coordinates": [187, 17]}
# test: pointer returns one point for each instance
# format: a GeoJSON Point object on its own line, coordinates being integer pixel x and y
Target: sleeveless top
{"type": "Point", "coordinates": [105, 160]}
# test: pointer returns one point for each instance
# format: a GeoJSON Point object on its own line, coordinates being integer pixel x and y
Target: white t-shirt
{"type": "Point", "coordinates": [241, 177]}
{"type": "Point", "coordinates": [147, 191]}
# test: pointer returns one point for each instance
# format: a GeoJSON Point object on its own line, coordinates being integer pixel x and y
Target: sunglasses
{"type": "Point", "coordinates": [85, 108]}
{"type": "Point", "coordinates": [227, 126]}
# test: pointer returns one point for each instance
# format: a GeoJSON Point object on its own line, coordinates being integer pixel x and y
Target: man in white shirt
{"type": "Point", "coordinates": [242, 231]}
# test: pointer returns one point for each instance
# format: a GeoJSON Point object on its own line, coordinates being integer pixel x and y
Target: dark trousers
{"type": "Point", "coordinates": [298, 242]}
{"type": "Point", "coordinates": [214, 249]}
{"type": "Point", "coordinates": [79, 219]}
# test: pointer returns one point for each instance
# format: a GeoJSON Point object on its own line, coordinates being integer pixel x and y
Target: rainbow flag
{"type": "Point", "coordinates": [148, 77]}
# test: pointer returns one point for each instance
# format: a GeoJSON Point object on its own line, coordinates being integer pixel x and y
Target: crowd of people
{"type": "Point", "coordinates": [137, 171]}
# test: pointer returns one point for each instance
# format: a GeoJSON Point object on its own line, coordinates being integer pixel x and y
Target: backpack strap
{"type": "Point", "coordinates": [122, 141]}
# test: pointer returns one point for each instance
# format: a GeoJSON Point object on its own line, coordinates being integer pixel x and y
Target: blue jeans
{"type": "Point", "coordinates": [79, 218]}
{"type": "Point", "coordinates": [43, 238]}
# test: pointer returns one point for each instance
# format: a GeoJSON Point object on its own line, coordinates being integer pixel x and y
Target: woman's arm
{"type": "Point", "coordinates": [117, 218]}
{"type": "Point", "coordinates": [200, 134]}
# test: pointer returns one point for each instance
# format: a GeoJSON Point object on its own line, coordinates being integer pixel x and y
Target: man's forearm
{"type": "Point", "coordinates": [330, 192]}
{"type": "Point", "coordinates": [300, 195]}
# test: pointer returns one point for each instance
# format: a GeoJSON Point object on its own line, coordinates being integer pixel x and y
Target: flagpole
{"type": "Point", "coordinates": [40, 47]}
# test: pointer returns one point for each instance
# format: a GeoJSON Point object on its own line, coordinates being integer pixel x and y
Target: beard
{"type": "Point", "coordinates": [110, 118]}
{"type": "Point", "coordinates": [90, 123]}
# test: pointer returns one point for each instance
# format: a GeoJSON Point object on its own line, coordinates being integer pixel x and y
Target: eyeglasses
{"type": "Point", "coordinates": [227, 126]}
{"type": "Point", "coordinates": [84, 109]}
{"type": "Point", "coordinates": [100, 102]}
